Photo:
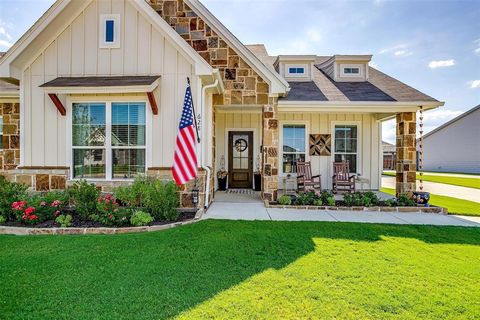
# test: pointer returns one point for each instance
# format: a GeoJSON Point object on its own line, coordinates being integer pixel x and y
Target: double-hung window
{"type": "Point", "coordinates": [346, 145]}
{"type": "Point", "coordinates": [293, 146]}
{"type": "Point", "coordinates": [108, 140]}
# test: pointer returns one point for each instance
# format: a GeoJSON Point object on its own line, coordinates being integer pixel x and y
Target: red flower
{"type": "Point", "coordinates": [29, 210]}
{"type": "Point", "coordinates": [56, 203]}
{"type": "Point", "coordinates": [33, 217]}
{"type": "Point", "coordinates": [18, 205]}
{"type": "Point", "coordinates": [57, 213]}
{"type": "Point", "coordinates": [43, 204]}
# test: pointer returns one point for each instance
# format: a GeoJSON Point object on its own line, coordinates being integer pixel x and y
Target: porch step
{"type": "Point", "coordinates": [241, 191]}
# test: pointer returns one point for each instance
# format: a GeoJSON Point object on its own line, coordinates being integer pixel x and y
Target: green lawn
{"type": "Point", "coordinates": [457, 181]}
{"type": "Point", "coordinates": [245, 270]}
{"type": "Point", "coordinates": [454, 205]}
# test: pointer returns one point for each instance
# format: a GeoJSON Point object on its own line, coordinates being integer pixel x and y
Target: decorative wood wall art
{"type": "Point", "coordinates": [320, 144]}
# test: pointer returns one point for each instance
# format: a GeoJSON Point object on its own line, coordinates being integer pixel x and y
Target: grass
{"type": "Point", "coordinates": [454, 205]}
{"type": "Point", "coordinates": [456, 181]}
{"type": "Point", "coordinates": [245, 270]}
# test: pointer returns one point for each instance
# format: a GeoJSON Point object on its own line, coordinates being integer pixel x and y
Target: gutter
{"type": "Point", "coordinates": [204, 166]}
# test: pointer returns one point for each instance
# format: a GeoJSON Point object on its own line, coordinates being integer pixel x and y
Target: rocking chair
{"type": "Point", "coordinates": [342, 178]}
{"type": "Point", "coordinates": [305, 180]}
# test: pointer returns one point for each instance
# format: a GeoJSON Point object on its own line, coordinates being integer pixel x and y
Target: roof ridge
{"type": "Point", "coordinates": [446, 124]}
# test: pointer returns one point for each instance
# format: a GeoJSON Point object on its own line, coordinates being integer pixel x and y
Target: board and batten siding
{"type": "Point", "coordinates": [76, 52]}
{"type": "Point", "coordinates": [369, 151]}
{"type": "Point", "coordinates": [236, 121]}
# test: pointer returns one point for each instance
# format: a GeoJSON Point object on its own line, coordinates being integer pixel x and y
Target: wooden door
{"type": "Point", "coordinates": [240, 159]}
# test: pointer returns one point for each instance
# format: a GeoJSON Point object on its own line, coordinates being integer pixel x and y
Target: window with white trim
{"type": "Point", "coordinates": [293, 148]}
{"type": "Point", "coordinates": [296, 70]}
{"type": "Point", "coordinates": [109, 31]}
{"type": "Point", "coordinates": [1, 133]}
{"type": "Point", "coordinates": [351, 70]}
{"type": "Point", "coordinates": [346, 145]}
{"type": "Point", "coordinates": [108, 140]}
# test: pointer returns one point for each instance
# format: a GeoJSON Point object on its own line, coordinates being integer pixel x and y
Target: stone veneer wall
{"type": "Point", "coordinates": [406, 153]}
{"type": "Point", "coordinates": [243, 86]}
{"type": "Point", "coordinates": [10, 153]}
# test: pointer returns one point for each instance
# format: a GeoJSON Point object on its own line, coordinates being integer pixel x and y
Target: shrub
{"type": "Point", "coordinates": [64, 221]}
{"type": "Point", "coordinates": [2, 219]}
{"type": "Point", "coordinates": [10, 192]}
{"type": "Point", "coordinates": [390, 202]}
{"type": "Point", "coordinates": [285, 200]}
{"type": "Point", "coordinates": [48, 205]}
{"type": "Point", "coordinates": [140, 218]}
{"type": "Point", "coordinates": [327, 198]}
{"type": "Point", "coordinates": [306, 198]}
{"type": "Point", "coordinates": [134, 194]}
{"type": "Point", "coordinates": [366, 199]}
{"type": "Point", "coordinates": [162, 200]}
{"type": "Point", "coordinates": [24, 213]}
{"type": "Point", "coordinates": [404, 200]}
{"type": "Point", "coordinates": [84, 196]}
{"type": "Point", "coordinates": [318, 202]}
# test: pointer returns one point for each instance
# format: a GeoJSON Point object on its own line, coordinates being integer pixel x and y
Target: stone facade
{"type": "Point", "coordinates": [10, 144]}
{"type": "Point", "coordinates": [270, 153]}
{"type": "Point", "coordinates": [41, 179]}
{"type": "Point", "coordinates": [243, 86]}
{"type": "Point", "coordinates": [406, 153]}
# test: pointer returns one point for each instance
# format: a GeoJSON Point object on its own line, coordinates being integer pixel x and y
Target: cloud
{"type": "Point", "coordinates": [477, 44]}
{"type": "Point", "coordinates": [5, 44]}
{"type": "Point", "coordinates": [441, 63]}
{"type": "Point", "coordinates": [474, 84]}
{"type": "Point", "coordinates": [400, 50]}
{"type": "Point", "coordinates": [4, 33]}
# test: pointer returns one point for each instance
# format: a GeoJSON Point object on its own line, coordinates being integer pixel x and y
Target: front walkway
{"type": "Point", "coordinates": [250, 207]}
{"type": "Point", "coordinates": [441, 189]}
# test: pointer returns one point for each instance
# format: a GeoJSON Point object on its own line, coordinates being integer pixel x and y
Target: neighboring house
{"type": "Point", "coordinates": [389, 155]}
{"type": "Point", "coordinates": [122, 66]}
{"type": "Point", "coordinates": [455, 145]}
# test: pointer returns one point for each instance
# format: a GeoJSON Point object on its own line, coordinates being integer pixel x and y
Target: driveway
{"type": "Point", "coordinates": [440, 189]}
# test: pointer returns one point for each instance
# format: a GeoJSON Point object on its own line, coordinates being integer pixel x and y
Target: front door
{"type": "Point", "coordinates": [240, 159]}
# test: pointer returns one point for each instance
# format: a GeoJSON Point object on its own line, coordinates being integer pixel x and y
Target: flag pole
{"type": "Point", "coordinates": [194, 114]}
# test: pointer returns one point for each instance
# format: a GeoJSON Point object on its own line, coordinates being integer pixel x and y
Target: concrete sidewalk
{"type": "Point", "coordinates": [442, 189]}
{"type": "Point", "coordinates": [257, 211]}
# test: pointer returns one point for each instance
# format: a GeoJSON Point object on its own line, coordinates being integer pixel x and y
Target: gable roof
{"type": "Point", "coordinates": [277, 82]}
{"type": "Point", "coordinates": [73, 7]}
{"type": "Point", "coordinates": [379, 87]}
{"type": "Point", "coordinates": [446, 124]}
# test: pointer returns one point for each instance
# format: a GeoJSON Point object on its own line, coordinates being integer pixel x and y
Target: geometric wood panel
{"type": "Point", "coordinates": [320, 144]}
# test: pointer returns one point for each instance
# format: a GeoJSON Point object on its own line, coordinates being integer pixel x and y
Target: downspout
{"type": "Point", "coordinates": [204, 166]}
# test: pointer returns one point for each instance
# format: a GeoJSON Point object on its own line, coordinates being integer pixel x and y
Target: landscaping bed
{"type": "Point", "coordinates": [146, 202]}
{"type": "Point", "coordinates": [356, 201]}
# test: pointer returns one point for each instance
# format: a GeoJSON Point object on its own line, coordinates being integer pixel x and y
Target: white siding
{"type": "Point", "coordinates": [455, 148]}
{"type": "Point", "coordinates": [323, 123]}
{"type": "Point", "coordinates": [75, 52]}
{"type": "Point", "coordinates": [236, 122]}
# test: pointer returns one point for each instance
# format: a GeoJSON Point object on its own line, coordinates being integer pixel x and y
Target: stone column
{"type": "Point", "coordinates": [270, 152]}
{"type": "Point", "coordinates": [406, 153]}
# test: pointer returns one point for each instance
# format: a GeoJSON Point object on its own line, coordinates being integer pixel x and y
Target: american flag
{"type": "Point", "coordinates": [185, 159]}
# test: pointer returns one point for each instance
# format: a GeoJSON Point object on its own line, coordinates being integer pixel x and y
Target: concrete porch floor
{"type": "Point", "coordinates": [250, 207]}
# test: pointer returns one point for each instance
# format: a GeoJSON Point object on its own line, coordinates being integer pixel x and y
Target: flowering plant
{"type": "Point", "coordinates": [108, 211]}
{"type": "Point", "coordinates": [26, 214]}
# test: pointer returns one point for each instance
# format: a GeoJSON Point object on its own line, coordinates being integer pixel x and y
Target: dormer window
{"type": "Point", "coordinates": [351, 70]}
{"type": "Point", "coordinates": [296, 70]}
{"type": "Point", "coordinates": [109, 31]}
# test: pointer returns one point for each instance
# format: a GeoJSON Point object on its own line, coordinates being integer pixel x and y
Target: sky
{"type": "Point", "coordinates": [433, 46]}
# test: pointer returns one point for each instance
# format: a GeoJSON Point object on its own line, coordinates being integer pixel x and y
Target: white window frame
{"type": "Point", "coordinates": [288, 66]}
{"type": "Point", "coordinates": [359, 142]}
{"type": "Point", "coordinates": [307, 153]}
{"type": "Point", "coordinates": [103, 31]}
{"type": "Point", "coordinates": [108, 126]}
{"type": "Point", "coordinates": [351, 75]}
